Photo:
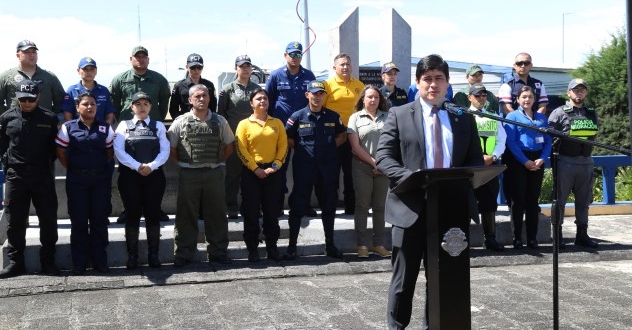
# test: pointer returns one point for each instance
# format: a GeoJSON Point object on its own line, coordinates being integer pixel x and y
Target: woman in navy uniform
{"type": "Point", "coordinates": [84, 147]}
{"type": "Point", "coordinates": [141, 147]}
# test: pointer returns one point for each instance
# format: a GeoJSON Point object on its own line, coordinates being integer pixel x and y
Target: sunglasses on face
{"type": "Point", "coordinates": [27, 99]}
{"type": "Point", "coordinates": [523, 63]}
{"type": "Point", "coordinates": [481, 95]}
{"type": "Point", "coordinates": [195, 67]}
{"type": "Point", "coordinates": [295, 55]}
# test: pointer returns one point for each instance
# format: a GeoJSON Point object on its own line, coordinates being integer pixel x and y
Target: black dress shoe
{"type": "Point", "coordinates": [274, 256]}
{"type": "Point", "coordinates": [517, 244]}
{"type": "Point", "coordinates": [12, 270]}
{"type": "Point", "coordinates": [254, 256]}
{"type": "Point", "coordinates": [532, 244]}
{"type": "Point", "coordinates": [349, 210]}
{"type": "Point", "coordinates": [102, 269]}
{"type": "Point", "coordinates": [233, 215]}
{"type": "Point", "coordinates": [50, 270]}
{"type": "Point", "coordinates": [223, 260]}
{"type": "Point", "coordinates": [333, 252]}
{"type": "Point", "coordinates": [78, 271]}
{"type": "Point", "coordinates": [290, 253]}
{"type": "Point", "coordinates": [492, 244]}
{"type": "Point", "coordinates": [180, 262]}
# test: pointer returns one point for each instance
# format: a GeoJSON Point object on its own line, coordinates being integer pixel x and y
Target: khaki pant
{"type": "Point", "coordinates": [370, 193]}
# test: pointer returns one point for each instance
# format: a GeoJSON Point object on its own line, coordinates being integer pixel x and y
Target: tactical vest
{"type": "Point", "coordinates": [200, 141]}
{"type": "Point", "coordinates": [86, 149]}
{"type": "Point", "coordinates": [142, 143]}
{"type": "Point", "coordinates": [487, 130]}
{"type": "Point", "coordinates": [583, 127]}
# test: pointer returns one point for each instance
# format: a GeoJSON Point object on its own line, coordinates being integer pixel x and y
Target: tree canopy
{"type": "Point", "coordinates": [605, 71]}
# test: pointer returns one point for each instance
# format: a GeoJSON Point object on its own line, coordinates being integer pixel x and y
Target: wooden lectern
{"type": "Point", "coordinates": [447, 191]}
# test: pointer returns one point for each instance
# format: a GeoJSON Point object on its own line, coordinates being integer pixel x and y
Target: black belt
{"type": "Point", "coordinates": [86, 172]}
{"type": "Point", "coordinates": [265, 165]}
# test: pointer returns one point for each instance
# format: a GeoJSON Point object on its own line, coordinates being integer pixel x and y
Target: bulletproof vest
{"type": "Point", "coordinates": [583, 126]}
{"type": "Point", "coordinates": [515, 88]}
{"type": "Point", "coordinates": [142, 143]}
{"type": "Point", "coordinates": [487, 130]}
{"type": "Point", "coordinates": [200, 141]}
{"type": "Point", "coordinates": [86, 149]}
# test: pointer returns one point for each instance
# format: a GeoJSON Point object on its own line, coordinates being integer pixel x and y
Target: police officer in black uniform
{"type": "Point", "coordinates": [27, 149]}
{"type": "Point", "coordinates": [314, 132]}
{"type": "Point", "coordinates": [141, 147]}
{"type": "Point", "coordinates": [179, 103]}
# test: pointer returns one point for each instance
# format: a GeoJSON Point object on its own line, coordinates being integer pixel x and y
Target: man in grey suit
{"type": "Point", "coordinates": [406, 145]}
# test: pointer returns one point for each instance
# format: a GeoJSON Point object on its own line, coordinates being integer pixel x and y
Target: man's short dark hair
{"type": "Point", "coordinates": [432, 62]}
{"type": "Point", "coordinates": [342, 55]}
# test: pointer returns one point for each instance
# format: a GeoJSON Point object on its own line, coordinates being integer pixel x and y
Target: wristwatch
{"type": "Point", "coordinates": [494, 158]}
{"type": "Point", "coordinates": [274, 166]}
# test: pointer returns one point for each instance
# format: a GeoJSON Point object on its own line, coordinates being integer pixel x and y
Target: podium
{"type": "Point", "coordinates": [447, 191]}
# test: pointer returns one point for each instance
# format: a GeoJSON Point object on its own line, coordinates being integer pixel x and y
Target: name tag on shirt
{"type": "Point", "coordinates": [539, 139]}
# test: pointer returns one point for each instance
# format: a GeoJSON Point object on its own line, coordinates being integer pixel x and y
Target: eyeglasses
{"type": "Point", "coordinates": [27, 99]}
{"type": "Point", "coordinates": [523, 63]}
{"type": "Point", "coordinates": [196, 67]}
{"type": "Point", "coordinates": [295, 55]}
{"type": "Point", "coordinates": [481, 95]}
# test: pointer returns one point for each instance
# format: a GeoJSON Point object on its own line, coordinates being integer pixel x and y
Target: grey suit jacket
{"type": "Point", "coordinates": [401, 151]}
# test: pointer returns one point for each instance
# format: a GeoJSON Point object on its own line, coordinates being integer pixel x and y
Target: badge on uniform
{"type": "Point", "coordinates": [101, 129]}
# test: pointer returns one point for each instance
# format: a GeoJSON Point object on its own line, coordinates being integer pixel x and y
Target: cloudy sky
{"type": "Point", "coordinates": [487, 32]}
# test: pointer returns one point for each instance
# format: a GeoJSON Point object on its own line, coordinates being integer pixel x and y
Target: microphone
{"type": "Point", "coordinates": [450, 107]}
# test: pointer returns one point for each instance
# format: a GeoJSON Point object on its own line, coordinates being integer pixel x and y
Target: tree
{"type": "Point", "coordinates": [606, 75]}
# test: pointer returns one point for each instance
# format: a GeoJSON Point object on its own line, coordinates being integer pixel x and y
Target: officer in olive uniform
{"type": "Point", "coordinates": [575, 166]}
{"type": "Point", "coordinates": [314, 132]}
{"type": "Point", "coordinates": [27, 150]}
{"type": "Point", "coordinates": [200, 142]}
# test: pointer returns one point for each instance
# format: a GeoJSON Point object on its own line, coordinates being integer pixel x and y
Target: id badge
{"type": "Point", "coordinates": [539, 139]}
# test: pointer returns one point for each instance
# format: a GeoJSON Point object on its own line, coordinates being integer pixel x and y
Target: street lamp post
{"type": "Point", "coordinates": [563, 17]}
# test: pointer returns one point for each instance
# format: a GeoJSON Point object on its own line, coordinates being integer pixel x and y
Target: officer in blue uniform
{"type": "Point", "coordinates": [84, 147]}
{"type": "Point", "coordinates": [314, 132]}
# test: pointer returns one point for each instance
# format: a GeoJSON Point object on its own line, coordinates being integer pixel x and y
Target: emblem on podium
{"type": "Point", "coordinates": [454, 241]}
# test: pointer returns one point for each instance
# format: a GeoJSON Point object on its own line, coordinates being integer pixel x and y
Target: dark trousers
{"type": "Point", "coordinates": [344, 156]}
{"type": "Point", "coordinates": [260, 194]}
{"type": "Point", "coordinates": [88, 206]}
{"type": "Point", "coordinates": [307, 178]}
{"type": "Point", "coordinates": [142, 196]}
{"type": "Point", "coordinates": [526, 186]}
{"type": "Point", "coordinates": [409, 250]}
{"type": "Point", "coordinates": [21, 186]}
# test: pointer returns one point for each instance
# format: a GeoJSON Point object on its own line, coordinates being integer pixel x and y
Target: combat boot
{"type": "Point", "coordinates": [131, 238]}
{"type": "Point", "coordinates": [489, 228]}
{"type": "Point", "coordinates": [582, 238]}
{"type": "Point", "coordinates": [253, 251]}
{"type": "Point", "coordinates": [153, 245]}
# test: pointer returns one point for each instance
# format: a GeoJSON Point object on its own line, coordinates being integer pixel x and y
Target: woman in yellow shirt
{"type": "Point", "coordinates": [262, 146]}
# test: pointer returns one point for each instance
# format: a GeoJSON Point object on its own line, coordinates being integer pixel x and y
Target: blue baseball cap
{"type": "Point", "coordinates": [316, 86]}
{"type": "Point", "coordinates": [87, 61]}
{"type": "Point", "coordinates": [294, 47]}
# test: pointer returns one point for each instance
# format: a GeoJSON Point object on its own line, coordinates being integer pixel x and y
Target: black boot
{"type": "Point", "coordinates": [331, 250]}
{"type": "Point", "coordinates": [273, 251]}
{"type": "Point", "coordinates": [47, 260]}
{"type": "Point", "coordinates": [290, 253]}
{"type": "Point", "coordinates": [153, 245]}
{"type": "Point", "coordinates": [253, 251]}
{"type": "Point", "coordinates": [15, 268]}
{"type": "Point", "coordinates": [131, 238]}
{"type": "Point", "coordinates": [582, 238]}
{"type": "Point", "coordinates": [560, 238]}
{"type": "Point", "coordinates": [489, 228]}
